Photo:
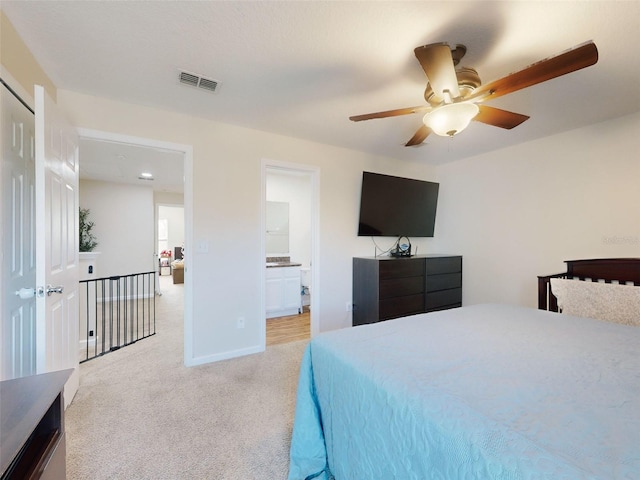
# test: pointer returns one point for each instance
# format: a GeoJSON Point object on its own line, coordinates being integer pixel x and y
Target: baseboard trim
{"type": "Point", "coordinates": [194, 361]}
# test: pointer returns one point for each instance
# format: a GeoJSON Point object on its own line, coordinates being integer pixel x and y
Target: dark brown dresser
{"type": "Point", "coordinates": [32, 441]}
{"type": "Point", "coordinates": [390, 287]}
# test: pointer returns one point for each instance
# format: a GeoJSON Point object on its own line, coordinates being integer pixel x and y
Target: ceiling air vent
{"type": "Point", "coordinates": [199, 81]}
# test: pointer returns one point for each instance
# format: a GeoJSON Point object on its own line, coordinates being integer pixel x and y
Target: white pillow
{"type": "Point", "coordinates": [604, 301]}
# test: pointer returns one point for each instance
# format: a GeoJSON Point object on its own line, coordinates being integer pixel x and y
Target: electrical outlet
{"type": "Point", "coordinates": [91, 333]}
{"type": "Point", "coordinates": [240, 322]}
{"type": "Point", "coordinates": [349, 306]}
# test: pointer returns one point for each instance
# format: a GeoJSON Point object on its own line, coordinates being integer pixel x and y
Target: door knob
{"type": "Point", "coordinates": [26, 293]}
{"type": "Point", "coordinates": [52, 289]}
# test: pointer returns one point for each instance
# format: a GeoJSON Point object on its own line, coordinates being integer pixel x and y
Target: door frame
{"type": "Point", "coordinates": [187, 153]}
{"type": "Point", "coordinates": [314, 173]}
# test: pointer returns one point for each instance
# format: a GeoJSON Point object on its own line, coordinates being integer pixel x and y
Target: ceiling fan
{"type": "Point", "coordinates": [455, 95]}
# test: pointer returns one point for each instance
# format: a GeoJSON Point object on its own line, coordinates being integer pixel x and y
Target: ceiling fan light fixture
{"type": "Point", "coordinates": [449, 120]}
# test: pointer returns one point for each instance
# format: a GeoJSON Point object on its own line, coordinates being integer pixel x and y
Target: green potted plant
{"type": "Point", "coordinates": [88, 240]}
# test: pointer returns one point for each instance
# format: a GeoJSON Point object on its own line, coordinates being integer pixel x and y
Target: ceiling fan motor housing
{"type": "Point", "coordinates": [468, 81]}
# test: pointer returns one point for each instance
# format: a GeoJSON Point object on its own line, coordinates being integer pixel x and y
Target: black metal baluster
{"type": "Point", "coordinates": [124, 305]}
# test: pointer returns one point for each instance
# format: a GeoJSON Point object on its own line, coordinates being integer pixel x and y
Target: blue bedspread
{"type": "Point", "coordinates": [480, 392]}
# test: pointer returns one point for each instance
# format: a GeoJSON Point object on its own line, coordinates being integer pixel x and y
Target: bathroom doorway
{"type": "Point", "coordinates": [290, 239]}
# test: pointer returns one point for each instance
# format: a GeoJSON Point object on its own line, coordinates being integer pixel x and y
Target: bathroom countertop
{"type": "Point", "coordinates": [278, 262]}
{"type": "Point", "coordinates": [282, 264]}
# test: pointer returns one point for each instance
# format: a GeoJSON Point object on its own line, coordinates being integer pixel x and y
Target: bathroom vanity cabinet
{"type": "Point", "coordinates": [282, 291]}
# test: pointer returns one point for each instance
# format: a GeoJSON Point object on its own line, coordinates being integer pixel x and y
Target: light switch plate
{"type": "Point", "coordinates": [202, 246]}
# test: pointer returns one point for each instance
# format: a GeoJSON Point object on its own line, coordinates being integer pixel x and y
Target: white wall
{"type": "Point", "coordinates": [124, 225]}
{"type": "Point", "coordinates": [522, 211]}
{"type": "Point", "coordinates": [227, 213]}
{"type": "Point", "coordinates": [513, 214]}
{"type": "Point", "coordinates": [296, 191]}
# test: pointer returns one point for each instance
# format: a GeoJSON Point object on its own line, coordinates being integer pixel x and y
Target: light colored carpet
{"type": "Point", "coordinates": [140, 414]}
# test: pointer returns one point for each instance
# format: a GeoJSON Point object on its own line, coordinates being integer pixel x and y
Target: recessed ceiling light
{"type": "Point", "coordinates": [146, 175]}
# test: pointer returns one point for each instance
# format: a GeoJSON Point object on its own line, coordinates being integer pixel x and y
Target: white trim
{"type": "Point", "coordinates": [314, 172]}
{"type": "Point", "coordinates": [91, 343]}
{"type": "Point", "coordinates": [187, 151]}
{"type": "Point", "coordinates": [137, 141]}
{"type": "Point", "coordinates": [40, 226]}
{"type": "Point", "coordinates": [89, 255]}
{"type": "Point", "coordinates": [224, 356]}
{"type": "Point", "coordinates": [283, 313]}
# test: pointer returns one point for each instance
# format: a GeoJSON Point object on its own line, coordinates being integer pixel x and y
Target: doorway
{"type": "Point", "coordinates": [170, 241]}
{"type": "Point", "coordinates": [185, 152]}
{"type": "Point", "coordinates": [302, 242]}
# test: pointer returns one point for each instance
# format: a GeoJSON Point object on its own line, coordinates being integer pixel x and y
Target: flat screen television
{"type": "Point", "coordinates": [397, 207]}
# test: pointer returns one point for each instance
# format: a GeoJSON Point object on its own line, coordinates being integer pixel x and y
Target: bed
{"type": "Point", "coordinates": [478, 392]}
{"type": "Point", "coordinates": [607, 270]}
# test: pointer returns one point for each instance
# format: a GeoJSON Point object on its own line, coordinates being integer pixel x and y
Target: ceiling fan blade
{"type": "Point", "coordinates": [390, 113]}
{"type": "Point", "coordinates": [437, 63]}
{"type": "Point", "coordinates": [419, 137]}
{"type": "Point", "coordinates": [499, 118]}
{"type": "Point", "coordinates": [574, 59]}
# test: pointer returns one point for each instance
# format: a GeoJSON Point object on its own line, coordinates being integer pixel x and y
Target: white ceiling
{"type": "Point", "coordinates": [124, 163]}
{"type": "Point", "coordinates": [301, 68]}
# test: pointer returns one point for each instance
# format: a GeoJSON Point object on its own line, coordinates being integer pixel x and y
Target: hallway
{"type": "Point", "coordinates": [140, 413]}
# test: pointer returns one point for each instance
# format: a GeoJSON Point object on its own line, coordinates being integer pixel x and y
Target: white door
{"type": "Point", "coordinates": [18, 329]}
{"type": "Point", "coordinates": [56, 242]}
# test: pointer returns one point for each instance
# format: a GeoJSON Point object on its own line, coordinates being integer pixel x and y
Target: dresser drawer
{"type": "Point", "coordinates": [385, 288]}
{"type": "Point", "coordinates": [401, 306]}
{"type": "Point", "coordinates": [436, 266]}
{"type": "Point", "coordinates": [435, 300]}
{"type": "Point", "coordinates": [444, 281]}
{"type": "Point", "coordinates": [401, 268]}
{"type": "Point", "coordinates": [398, 287]}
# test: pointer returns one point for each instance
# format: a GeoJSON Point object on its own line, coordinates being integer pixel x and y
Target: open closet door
{"type": "Point", "coordinates": [57, 242]}
{"type": "Point", "coordinates": [17, 238]}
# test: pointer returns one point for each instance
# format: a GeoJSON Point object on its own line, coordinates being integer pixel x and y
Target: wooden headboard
{"type": "Point", "coordinates": [622, 270]}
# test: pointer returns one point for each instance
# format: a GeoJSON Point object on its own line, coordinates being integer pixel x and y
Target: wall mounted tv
{"type": "Point", "coordinates": [397, 207]}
